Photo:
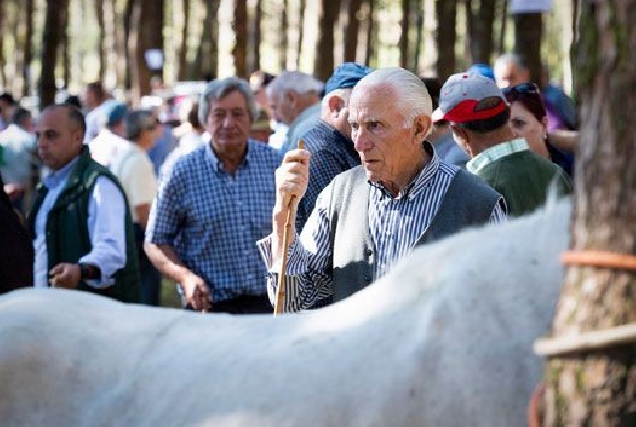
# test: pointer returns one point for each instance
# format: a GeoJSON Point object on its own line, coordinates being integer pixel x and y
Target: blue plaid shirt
{"type": "Point", "coordinates": [331, 153]}
{"type": "Point", "coordinates": [212, 219]}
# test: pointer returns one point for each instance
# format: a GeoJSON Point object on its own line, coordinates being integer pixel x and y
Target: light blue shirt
{"type": "Point", "coordinates": [106, 228]}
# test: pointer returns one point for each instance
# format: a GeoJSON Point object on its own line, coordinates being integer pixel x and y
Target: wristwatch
{"type": "Point", "coordinates": [89, 271]}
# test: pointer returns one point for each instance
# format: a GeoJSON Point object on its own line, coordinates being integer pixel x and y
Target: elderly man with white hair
{"type": "Point", "coordinates": [370, 216]}
{"type": "Point", "coordinates": [294, 98]}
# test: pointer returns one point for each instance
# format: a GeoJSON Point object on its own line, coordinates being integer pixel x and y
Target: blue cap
{"type": "Point", "coordinates": [346, 76]}
{"type": "Point", "coordinates": [114, 112]}
{"type": "Point", "coordinates": [484, 70]}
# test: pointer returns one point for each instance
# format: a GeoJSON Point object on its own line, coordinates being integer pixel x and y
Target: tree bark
{"type": "Point", "coordinates": [129, 43]}
{"type": "Point", "coordinates": [324, 60]}
{"type": "Point", "coordinates": [283, 36]}
{"type": "Point", "coordinates": [528, 29]}
{"type": "Point", "coordinates": [64, 45]}
{"type": "Point", "coordinates": [481, 30]}
{"type": "Point", "coordinates": [3, 77]}
{"type": "Point", "coordinates": [146, 33]}
{"type": "Point", "coordinates": [419, 24]}
{"type": "Point", "coordinates": [598, 388]}
{"type": "Point", "coordinates": [28, 46]}
{"type": "Point", "coordinates": [257, 34]}
{"type": "Point", "coordinates": [301, 30]}
{"type": "Point", "coordinates": [183, 48]}
{"type": "Point", "coordinates": [403, 43]}
{"type": "Point", "coordinates": [446, 11]}
{"type": "Point", "coordinates": [51, 37]}
{"type": "Point", "coordinates": [206, 62]}
{"type": "Point", "coordinates": [101, 34]}
{"type": "Point", "coordinates": [239, 26]}
{"type": "Point", "coordinates": [352, 29]}
{"type": "Point", "coordinates": [371, 35]}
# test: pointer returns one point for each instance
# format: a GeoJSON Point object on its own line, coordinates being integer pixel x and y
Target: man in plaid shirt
{"type": "Point", "coordinates": [213, 205]}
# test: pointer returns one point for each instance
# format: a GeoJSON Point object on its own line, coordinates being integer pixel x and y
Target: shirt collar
{"type": "Point", "coordinates": [57, 177]}
{"type": "Point", "coordinates": [216, 162]}
{"type": "Point", "coordinates": [421, 180]}
{"type": "Point", "coordinates": [492, 154]}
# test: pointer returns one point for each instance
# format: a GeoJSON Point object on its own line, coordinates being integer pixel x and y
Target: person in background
{"type": "Point", "coordinates": [213, 205]}
{"type": "Point", "coordinates": [16, 250]}
{"type": "Point", "coordinates": [18, 151]}
{"type": "Point", "coordinates": [441, 134]}
{"type": "Point", "coordinates": [478, 114]}
{"type": "Point", "coordinates": [528, 120]}
{"type": "Point", "coordinates": [259, 81]}
{"type": "Point", "coordinates": [483, 69]}
{"type": "Point", "coordinates": [80, 222]}
{"type": "Point", "coordinates": [110, 140]}
{"type": "Point", "coordinates": [369, 217]}
{"type": "Point", "coordinates": [294, 98]}
{"type": "Point", "coordinates": [8, 104]}
{"type": "Point", "coordinates": [329, 140]}
{"type": "Point", "coordinates": [94, 97]}
{"type": "Point", "coordinates": [133, 169]}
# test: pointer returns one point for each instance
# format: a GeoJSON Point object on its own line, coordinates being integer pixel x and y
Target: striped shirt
{"type": "Point", "coordinates": [212, 218]}
{"type": "Point", "coordinates": [395, 225]}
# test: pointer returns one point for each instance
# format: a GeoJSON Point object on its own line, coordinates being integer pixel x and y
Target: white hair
{"type": "Point", "coordinates": [296, 81]}
{"type": "Point", "coordinates": [409, 89]}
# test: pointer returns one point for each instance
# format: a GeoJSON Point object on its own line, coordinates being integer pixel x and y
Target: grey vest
{"type": "Point", "coordinates": [469, 201]}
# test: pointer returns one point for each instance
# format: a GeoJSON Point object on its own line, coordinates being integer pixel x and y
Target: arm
{"type": "Point", "coordinates": [565, 140]}
{"type": "Point", "coordinates": [106, 228]}
{"type": "Point", "coordinates": [165, 220]}
{"type": "Point", "coordinates": [142, 212]}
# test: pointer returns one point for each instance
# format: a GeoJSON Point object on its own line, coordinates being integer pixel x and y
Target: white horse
{"type": "Point", "coordinates": [444, 340]}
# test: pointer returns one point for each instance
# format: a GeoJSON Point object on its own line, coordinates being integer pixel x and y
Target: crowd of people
{"type": "Point", "coordinates": [390, 161]}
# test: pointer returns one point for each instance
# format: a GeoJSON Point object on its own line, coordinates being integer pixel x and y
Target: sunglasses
{"type": "Point", "coordinates": [523, 89]}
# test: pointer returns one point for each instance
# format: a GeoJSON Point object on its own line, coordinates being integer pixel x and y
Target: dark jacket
{"type": "Point", "coordinates": [16, 249]}
{"type": "Point", "coordinates": [67, 228]}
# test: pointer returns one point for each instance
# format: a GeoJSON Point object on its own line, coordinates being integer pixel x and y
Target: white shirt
{"type": "Point", "coordinates": [107, 146]}
{"type": "Point", "coordinates": [135, 172]}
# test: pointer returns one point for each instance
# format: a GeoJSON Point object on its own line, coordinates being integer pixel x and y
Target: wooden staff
{"type": "Point", "coordinates": [280, 289]}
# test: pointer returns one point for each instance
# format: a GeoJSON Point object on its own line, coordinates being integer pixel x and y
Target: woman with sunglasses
{"type": "Point", "coordinates": [528, 120]}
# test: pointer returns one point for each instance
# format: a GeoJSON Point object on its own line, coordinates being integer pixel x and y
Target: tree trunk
{"type": "Point", "coordinates": [419, 24]}
{"type": "Point", "coordinates": [283, 36]}
{"type": "Point", "coordinates": [148, 15]}
{"type": "Point", "coordinates": [206, 62]}
{"type": "Point", "coordinates": [301, 30]}
{"type": "Point", "coordinates": [101, 41]}
{"type": "Point", "coordinates": [528, 29]}
{"type": "Point", "coordinates": [257, 34]}
{"type": "Point", "coordinates": [129, 43]}
{"type": "Point", "coordinates": [446, 35]}
{"type": "Point", "coordinates": [239, 25]}
{"type": "Point", "coordinates": [352, 29]}
{"type": "Point", "coordinates": [51, 37]}
{"type": "Point", "coordinates": [369, 54]}
{"type": "Point", "coordinates": [182, 72]}
{"type": "Point", "coordinates": [28, 46]}
{"type": "Point", "coordinates": [64, 46]}
{"type": "Point", "coordinates": [324, 60]}
{"type": "Point", "coordinates": [403, 43]}
{"type": "Point", "coordinates": [3, 77]}
{"type": "Point", "coordinates": [481, 30]}
{"type": "Point", "coordinates": [598, 388]}
{"type": "Point", "coordinates": [504, 21]}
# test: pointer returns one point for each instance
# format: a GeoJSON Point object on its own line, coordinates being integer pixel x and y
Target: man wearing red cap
{"type": "Point", "coordinates": [478, 114]}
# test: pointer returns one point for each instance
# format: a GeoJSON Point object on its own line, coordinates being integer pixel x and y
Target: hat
{"type": "Point", "coordinates": [114, 112]}
{"type": "Point", "coordinates": [484, 70]}
{"type": "Point", "coordinates": [469, 96]}
{"type": "Point", "coordinates": [346, 76]}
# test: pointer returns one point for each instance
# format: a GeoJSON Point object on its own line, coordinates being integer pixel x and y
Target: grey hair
{"type": "Point", "coordinates": [510, 58]}
{"type": "Point", "coordinates": [414, 99]}
{"type": "Point", "coordinates": [136, 122]}
{"type": "Point", "coordinates": [296, 81]}
{"type": "Point", "coordinates": [218, 89]}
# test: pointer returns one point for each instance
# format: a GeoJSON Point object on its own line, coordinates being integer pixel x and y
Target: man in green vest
{"type": "Point", "coordinates": [80, 222]}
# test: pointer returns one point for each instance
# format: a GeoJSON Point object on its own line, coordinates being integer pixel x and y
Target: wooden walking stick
{"type": "Point", "coordinates": [280, 288]}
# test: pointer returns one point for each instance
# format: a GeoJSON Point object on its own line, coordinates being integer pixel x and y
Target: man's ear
{"type": "Point", "coordinates": [422, 126]}
{"type": "Point", "coordinates": [335, 104]}
{"type": "Point", "coordinates": [291, 97]}
{"type": "Point", "coordinates": [459, 131]}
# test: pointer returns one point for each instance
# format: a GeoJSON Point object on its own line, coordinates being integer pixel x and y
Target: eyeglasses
{"type": "Point", "coordinates": [523, 89]}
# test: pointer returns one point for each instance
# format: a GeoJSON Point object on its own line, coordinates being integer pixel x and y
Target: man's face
{"type": "Point", "coordinates": [229, 123]}
{"type": "Point", "coordinates": [283, 106]}
{"type": "Point", "coordinates": [384, 144]}
{"type": "Point", "coordinates": [58, 139]}
{"type": "Point", "coordinates": [509, 74]}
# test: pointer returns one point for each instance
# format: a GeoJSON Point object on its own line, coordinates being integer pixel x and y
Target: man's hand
{"type": "Point", "coordinates": [292, 177]}
{"type": "Point", "coordinates": [196, 292]}
{"type": "Point", "coordinates": [65, 275]}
